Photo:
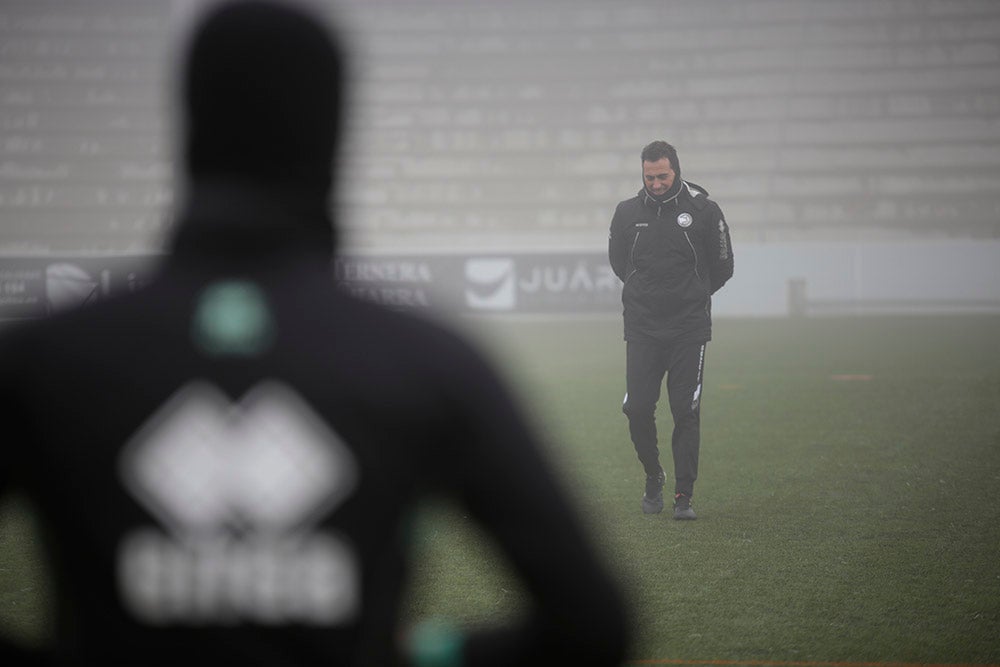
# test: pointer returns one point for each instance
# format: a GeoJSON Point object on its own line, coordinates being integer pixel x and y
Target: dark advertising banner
{"type": "Point", "coordinates": [500, 283]}
{"type": "Point", "coordinates": [32, 287]}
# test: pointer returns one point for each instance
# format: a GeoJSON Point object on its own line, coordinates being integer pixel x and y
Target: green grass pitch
{"type": "Point", "coordinates": [848, 501]}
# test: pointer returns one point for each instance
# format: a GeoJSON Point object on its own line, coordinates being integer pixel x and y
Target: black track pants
{"type": "Point", "coordinates": [683, 364]}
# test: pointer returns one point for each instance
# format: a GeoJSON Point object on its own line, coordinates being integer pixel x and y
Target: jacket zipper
{"type": "Point", "coordinates": [688, 238]}
{"type": "Point", "coordinates": [631, 257]}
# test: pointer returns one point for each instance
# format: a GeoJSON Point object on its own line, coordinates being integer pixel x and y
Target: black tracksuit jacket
{"type": "Point", "coordinates": [672, 256]}
{"type": "Point", "coordinates": [417, 408]}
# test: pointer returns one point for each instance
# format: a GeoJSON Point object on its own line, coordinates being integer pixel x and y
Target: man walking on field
{"type": "Point", "coordinates": [670, 247]}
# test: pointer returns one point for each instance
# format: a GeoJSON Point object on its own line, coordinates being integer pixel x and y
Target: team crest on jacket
{"type": "Point", "coordinates": [684, 220]}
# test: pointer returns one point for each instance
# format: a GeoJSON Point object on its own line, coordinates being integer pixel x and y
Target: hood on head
{"type": "Point", "coordinates": [262, 89]}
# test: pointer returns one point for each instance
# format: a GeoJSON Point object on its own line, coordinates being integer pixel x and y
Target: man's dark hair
{"type": "Point", "coordinates": [659, 150]}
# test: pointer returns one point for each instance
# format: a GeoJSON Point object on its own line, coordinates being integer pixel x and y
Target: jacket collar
{"type": "Point", "coordinates": [670, 196]}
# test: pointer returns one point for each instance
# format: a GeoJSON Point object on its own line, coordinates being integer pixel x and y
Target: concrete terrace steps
{"type": "Point", "coordinates": [524, 119]}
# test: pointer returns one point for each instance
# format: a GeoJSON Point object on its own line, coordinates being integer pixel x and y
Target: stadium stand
{"type": "Point", "coordinates": [518, 124]}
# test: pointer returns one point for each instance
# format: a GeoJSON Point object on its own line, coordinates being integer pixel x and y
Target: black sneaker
{"type": "Point", "coordinates": [682, 508]}
{"type": "Point", "coordinates": [652, 499]}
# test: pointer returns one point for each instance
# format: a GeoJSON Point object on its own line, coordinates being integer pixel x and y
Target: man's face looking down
{"type": "Point", "coordinates": [658, 176]}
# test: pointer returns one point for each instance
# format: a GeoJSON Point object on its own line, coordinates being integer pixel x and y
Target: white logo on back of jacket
{"type": "Point", "coordinates": [239, 489]}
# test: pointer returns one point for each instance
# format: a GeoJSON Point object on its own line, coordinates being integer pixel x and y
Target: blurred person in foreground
{"type": "Point", "coordinates": [226, 462]}
{"type": "Point", "coordinates": [670, 247]}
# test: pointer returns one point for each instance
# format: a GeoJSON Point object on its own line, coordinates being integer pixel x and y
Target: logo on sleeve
{"type": "Point", "coordinates": [684, 220]}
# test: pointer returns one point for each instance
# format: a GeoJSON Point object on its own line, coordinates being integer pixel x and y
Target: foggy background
{"type": "Point", "coordinates": [854, 145]}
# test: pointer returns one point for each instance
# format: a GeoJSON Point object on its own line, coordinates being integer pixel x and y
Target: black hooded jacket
{"type": "Point", "coordinates": [672, 254]}
{"type": "Point", "coordinates": [226, 463]}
